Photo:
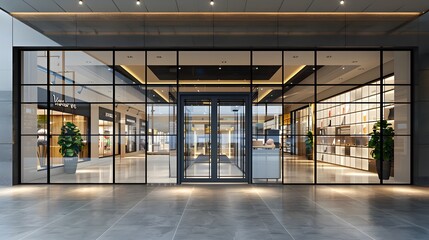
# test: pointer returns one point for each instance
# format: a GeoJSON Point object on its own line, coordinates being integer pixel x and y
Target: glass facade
{"type": "Point", "coordinates": [328, 117]}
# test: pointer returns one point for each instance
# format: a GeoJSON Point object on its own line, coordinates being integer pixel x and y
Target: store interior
{"type": "Point", "coordinates": [311, 115]}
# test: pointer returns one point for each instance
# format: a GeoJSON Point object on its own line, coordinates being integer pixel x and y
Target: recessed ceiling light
{"type": "Point", "coordinates": [355, 61]}
{"type": "Point", "coordinates": [342, 2]}
{"type": "Point", "coordinates": [343, 68]}
{"type": "Point", "coordinates": [329, 56]}
{"type": "Point", "coordinates": [138, 2]}
{"type": "Point", "coordinates": [211, 2]}
{"type": "Point", "coordinates": [220, 68]}
{"type": "Point", "coordinates": [295, 56]}
{"type": "Point", "coordinates": [80, 2]}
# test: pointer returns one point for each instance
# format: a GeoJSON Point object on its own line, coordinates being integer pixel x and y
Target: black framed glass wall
{"type": "Point", "coordinates": [314, 109]}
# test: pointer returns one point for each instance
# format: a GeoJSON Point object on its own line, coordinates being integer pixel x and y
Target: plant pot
{"type": "Point", "coordinates": [309, 154]}
{"type": "Point", "coordinates": [70, 165]}
{"type": "Point", "coordinates": [386, 169]}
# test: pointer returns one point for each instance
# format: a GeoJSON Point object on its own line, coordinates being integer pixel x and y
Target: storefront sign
{"type": "Point", "coordinates": [61, 103]}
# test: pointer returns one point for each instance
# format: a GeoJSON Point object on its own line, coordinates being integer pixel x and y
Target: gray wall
{"type": "Point", "coordinates": [14, 33]}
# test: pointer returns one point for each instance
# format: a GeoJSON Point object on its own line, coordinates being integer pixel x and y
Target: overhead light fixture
{"type": "Point", "coordinates": [211, 2]}
{"type": "Point", "coordinates": [138, 2]}
{"type": "Point", "coordinates": [80, 2]}
{"type": "Point", "coordinates": [342, 2]}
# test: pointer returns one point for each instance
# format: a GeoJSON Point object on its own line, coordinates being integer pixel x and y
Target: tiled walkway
{"type": "Point", "coordinates": [213, 212]}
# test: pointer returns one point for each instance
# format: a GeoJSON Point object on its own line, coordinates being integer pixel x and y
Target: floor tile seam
{"type": "Point", "coordinates": [183, 213]}
{"type": "Point", "coordinates": [123, 215]}
{"type": "Point", "coordinates": [386, 212]}
{"type": "Point", "coordinates": [272, 212]}
{"type": "Point", "coordinates": [353, 226]}
{"type": "Point", "coordinates": [61, 217]}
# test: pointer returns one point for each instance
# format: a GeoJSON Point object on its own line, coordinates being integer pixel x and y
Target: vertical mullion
{"type": "Point", "coordinates": [249, 165]}
{"type": "Point", "coordinates": [114, 117]}
{"type": "Point", "coordinates": [381, 117]}
{"type": "Point", "coordinates": [282, 126]}
{"type": "Point", "coordinates": [146, 119]}
{"type": "Point", "coordinates": [315, 118]}
{"type": "Point", "coordinates": [214, 137]}
{"type": "Point", "coordinates": [178, 155]}
{"type": "Point", "coordinates": [49, 136]}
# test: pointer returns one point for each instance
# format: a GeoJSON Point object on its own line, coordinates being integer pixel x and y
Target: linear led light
{"type": "Point", "coordinates": [294, 73]}
{"type": "Point", "coordinates": [132, 73]}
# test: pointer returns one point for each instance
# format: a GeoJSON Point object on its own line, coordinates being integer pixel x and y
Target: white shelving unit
{"type": "Point", "coordinates": [343, 124]}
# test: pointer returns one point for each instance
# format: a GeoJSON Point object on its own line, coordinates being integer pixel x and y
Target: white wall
{"type": "Point", "coordinates": [14, 34]}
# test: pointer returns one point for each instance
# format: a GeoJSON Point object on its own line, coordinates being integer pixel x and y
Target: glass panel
{"type": "Point", "coordinates": [400, 163]}
{"type": "Point", "coordinates": [231, 139]}
{"type": "Point", "coordinates": [397, 67]}
{"type": "Point", "coordinates": [33, 119]}
{"type": "Point", "coordinates": [82, 93]}
{"type": "Point", "coordinates": [34, 159]}
{"type": "Point", "coordinates": [347, 67]}
{"type": "Point", "coordinates": [161, 67]}
{"type": "Point", "coordinates": [34, 94]}
{"type": "Point", "coordinates": [267, 93]}
{"type": "Point", "coordinates": [298, 159]}
{"type": "Point", "coordinates": [214, 71]}
{"type": "Point", "coordinates": [267, 67]}
{"type": "Point", "coordinates": [130, 93]}
{"type": "Point", "coordinates": [81, 67]}
{"type": "Point", "coordinates": [197, 139]}
{"type": "Point", "coordinates": [161, 93]}
{"type": "Point", "coordinates": [87, 167]}
{"type": "Point", "coordinates": [34, 67]}
{"type": "Point", "coordinates": [298, 67]}
{"type": "Point", "coordinates": [161, 142]}
{"type": "Point", "coordinates": [266, 142]}
{"type": "Point", "coordinates": [130, 67]}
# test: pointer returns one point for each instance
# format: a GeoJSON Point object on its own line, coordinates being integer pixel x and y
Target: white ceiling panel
{"type": "Point", "coordinates": [295, 6]}
{"type": "Point", "coordinates": [263, 5]}
{"type": "Point", "coordinates": [130, 6]}
{"type": "Point", "coordinates": [161, 5]}
{"type": "Point", "coordinates": [44, 5]}
{"type": "Point", "coordinates": [102, 5]}
{"type": "Point", "coordinates": [16, 6]}
{"type": "Point", "coordinates": [73, 6]}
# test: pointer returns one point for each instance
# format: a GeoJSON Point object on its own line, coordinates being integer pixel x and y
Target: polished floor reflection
{"type": "Point", "coordinates": [213, 212]}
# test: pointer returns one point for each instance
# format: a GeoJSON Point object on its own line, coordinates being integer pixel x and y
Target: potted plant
{"type": "Point", "coordinates": [384, 156]}
{"type": "Point", "coordinates": [309, 145]}
{"type": "Point", "coordinates": [70, 141]}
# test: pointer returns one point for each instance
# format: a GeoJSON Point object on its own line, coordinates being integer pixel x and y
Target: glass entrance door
{"type": "Point", "coordinates": [214, 142]}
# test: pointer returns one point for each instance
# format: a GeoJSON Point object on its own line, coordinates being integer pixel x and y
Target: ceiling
{"type": "Point", "coordinates": [220, 6]}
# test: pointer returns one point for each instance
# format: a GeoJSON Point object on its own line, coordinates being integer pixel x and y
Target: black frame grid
{"type": "Point", "coordinates": [17, 57]}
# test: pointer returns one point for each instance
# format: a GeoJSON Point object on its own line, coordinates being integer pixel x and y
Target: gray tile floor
{"type": "Point", "coordinates": [213, 212]}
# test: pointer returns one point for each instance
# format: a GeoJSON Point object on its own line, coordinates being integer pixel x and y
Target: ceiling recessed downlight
{"type": "Point", "coordinates": [138, 2]}
{"type": "Point", "coordinates": [80, 2]}
{"type": "Point", "coordinates": [211, 2]}
{"type": "Point", "coordinates": [342, 2]}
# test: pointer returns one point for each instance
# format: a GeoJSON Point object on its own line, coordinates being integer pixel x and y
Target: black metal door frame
{"type": "Point", "coordinates": [214, 97]}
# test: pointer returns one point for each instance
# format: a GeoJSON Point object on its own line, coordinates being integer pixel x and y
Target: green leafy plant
{"type": "Point", "coordinates": [388, 142]}
{"type": "Point", "coordinates": [309, 141]}
{"type": "Point", "coordinates": [70, 140]}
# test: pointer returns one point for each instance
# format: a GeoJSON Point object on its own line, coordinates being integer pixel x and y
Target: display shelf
{"type": "Point", "coordinates": [343, 124]}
